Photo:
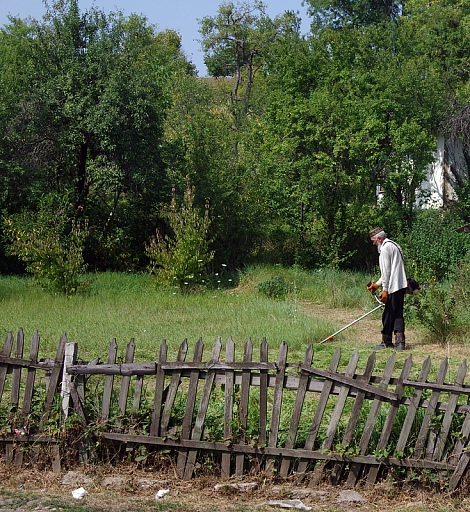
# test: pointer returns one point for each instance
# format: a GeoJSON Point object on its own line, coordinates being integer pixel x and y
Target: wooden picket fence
{"type": "Point", "coordinates": [288, 418]}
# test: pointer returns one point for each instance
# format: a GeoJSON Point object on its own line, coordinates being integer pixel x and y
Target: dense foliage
{"type": "Point", "coordinates": [287, 143]}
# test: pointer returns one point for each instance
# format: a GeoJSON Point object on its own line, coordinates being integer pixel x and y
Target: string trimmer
{"type": "Point", "coordinates": [381, 305]}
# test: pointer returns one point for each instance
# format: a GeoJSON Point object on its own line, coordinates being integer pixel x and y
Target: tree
{"type": "Point", "coordinates": [91, 93]}
{"type": "Point", "coordinates": [346, 13]}
{"type": "Point", "coordinates": [367, 119]}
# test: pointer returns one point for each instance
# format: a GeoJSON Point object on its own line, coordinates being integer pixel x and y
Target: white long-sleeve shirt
{"type": "Point", "coordinates": [392, 267]}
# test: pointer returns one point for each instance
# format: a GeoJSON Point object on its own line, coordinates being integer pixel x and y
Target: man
{"type": "Point", "coordinates": [394, 284]}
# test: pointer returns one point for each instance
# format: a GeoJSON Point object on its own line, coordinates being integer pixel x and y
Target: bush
{"type": "Point", "coordinates": [51, 244]}
{"type": "Point", "coordinates": [276, 287]}
{"type": "Point", "coordinates": [436, 311]}
{"type": "Point", "coordinates": [183, 257]}
{"type": "Point", "coordinates": [432, 248]}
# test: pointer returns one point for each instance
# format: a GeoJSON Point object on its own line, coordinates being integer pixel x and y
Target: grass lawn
{"type": "Point", "coordinates": [126, 306]}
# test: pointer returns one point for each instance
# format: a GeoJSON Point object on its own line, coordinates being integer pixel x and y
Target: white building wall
{"type": "Point", "coordinates": [438, 187]}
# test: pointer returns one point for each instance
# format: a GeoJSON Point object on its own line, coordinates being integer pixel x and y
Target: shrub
{"type": "Point", "coordinates": [432, 248]}
{"type": "Point", "coordinates": [276, 287]}
{"type": "Point", "coordinates": [183, 257]}
{"type": "Point", "coordinates": [51, 244]}
{"type": "Point", "coordinates": [436, 311]}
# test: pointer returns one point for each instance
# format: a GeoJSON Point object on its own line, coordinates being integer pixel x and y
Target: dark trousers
{"type": "Point", "coordinates": [392, 317]}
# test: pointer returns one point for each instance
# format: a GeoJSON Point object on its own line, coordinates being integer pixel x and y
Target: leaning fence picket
{"type": "Point", "coordinates": [449, 414]}
{"type": "Point", "coordinates": [31, 375]}
{"type": "Point", "coordinates": [354, 417]}
{"type": "Point", "coordinates": [16, 373]}
{"type": "Point", "coordinates": [202, 410]}
{"type": "Point", "coordinates": [355, 469]}
{"type": "Point", "coordinates": [190, 402]}
{"type": "Point", "coordinates": [125, 383]}
{"type": "Point", "coordinates": [413, 407]}
{"type": "Point", "coordinates": [6, 351]}
{"type": "Point", "coordinates": [54, 380]}
{"type": "Point", "coordinates": [277, 401]}
{"type": "Point", "coordinates": [297, 410]}
{"type": "Point", "coordinates": [108, 382]}
{"type": "Point", "coordinates": [159, 389]}
{"type": "Point", "coordinates": [263, 395]}
{"type": "Point", "coordinates": [228, 406]}
{"type": "Point", "coordinates": [430, 410]}
{"type": "Point", "coordinates": [335, 417]}
{"type": "Point", "coordinates": [320, 409]}
{"type": "Point", "coordinates": [243, 406]}
{"type": "Point", "coordinates": [173, 388]}
{"type": "Point", "coordinates": [391, 416]}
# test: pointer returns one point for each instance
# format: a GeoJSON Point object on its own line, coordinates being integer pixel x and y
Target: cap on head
{"type": "Point", "coordinates": [375, 232]}
{"type": "Point", "coordinates": [378, 233]}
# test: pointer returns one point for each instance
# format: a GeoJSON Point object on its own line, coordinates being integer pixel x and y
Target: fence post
{"type": "Point", "coordinates": [70, 359]}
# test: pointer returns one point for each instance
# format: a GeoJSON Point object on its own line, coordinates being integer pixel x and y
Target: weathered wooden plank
{"type": "Point", "coordinates": [355, 414]}
{"type": "Point", "coordinates": [70, 357]}
{"type": "Point", "coordinates": [263, 394]}
{"type": "Point", "coordinates": [6, 351]}
{"type": "Point", "coordinates": [31, 375]}
{"type": "Point", "coordinates": [353, 383]}
{"type": "Point", "coordinates": [392, 414]}
{"type": "Point", "coordinates": [29, 438]}
{"type": "Point", "coordinates": [319, 411]}
{"type": "Point", "coordinates": [54, 379]}
{"type": "Point", "coordinates": [108, 382]}
{"type": "Point", "coordinates": [463, 439]}
{"type": "Point", "coordinates": [413, 407]}
{"type": "Point", "coordinates": [443, 388]}
{"type": "Point", "coordinates": [335, 417]}
{"type": "Point", "coordinates": [138, 386]}
{"type": "Point", "coordinates": [220, 365]}
{"type": "Point", "coordinates": [430, 410]}
{"type": "Point", "coordinates": [125, 383]}
{"type": "Point", "coordinates": [460, 470]}
{"type": "Point", "coordinates": [449, 414]}
{"type": "Point", "coordinates": [173, 388]}
{"type": "Point", "coordinates": [243, 406]}
{"type": "Point", "coordinates": [16, 372]}
{"type": "Point", "coordinates": [159, 389]}
{"type": "Point", "coordinates": [355, 469]}
{"type": "Point", "coordinates": [277, 401]}
{"type": "Point", "coordinates": [56, 466]}
{"type": "Point", "coordinates": [201, 413]}
{"type": "Point", "coordinates": [190, 403]}
{"type": "Point", "coordinates": [127, 369]}
{"type": "Point", "coordinates": [228, 406]}
{"type": "Point", "coordinates": [46, 365]}
{"type": "Point", "coordinates": [168, 442]}
{"type": "Point", "coordinates": [295, 418]}
{"type": "Point", "coordinates": [78, 404]}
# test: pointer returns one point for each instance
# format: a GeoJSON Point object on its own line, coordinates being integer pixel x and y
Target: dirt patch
{"type": "Point", "coordinates": [365, 334]}
{"type": "Point", "coordinates": [134, 490]}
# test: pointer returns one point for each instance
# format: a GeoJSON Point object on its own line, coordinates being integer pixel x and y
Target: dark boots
{"type": "Point", "coordinates": [400, 341]}
{"type": "Point", "coordinates": [386, 342]}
